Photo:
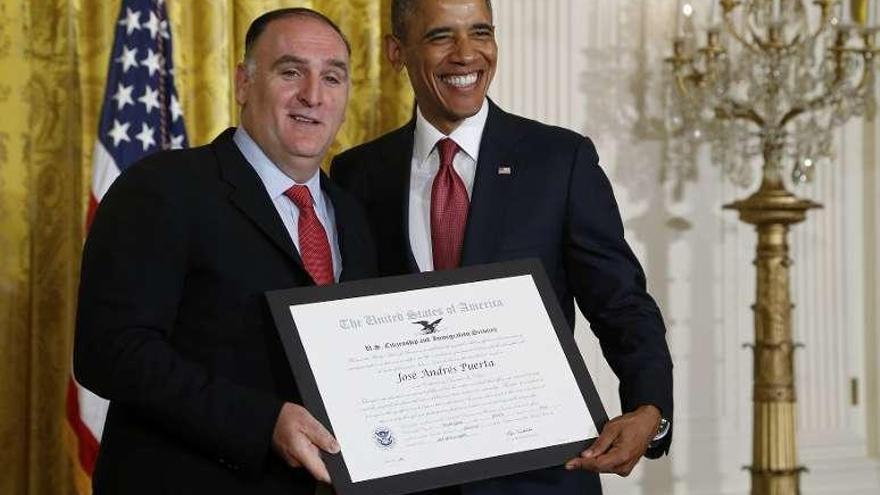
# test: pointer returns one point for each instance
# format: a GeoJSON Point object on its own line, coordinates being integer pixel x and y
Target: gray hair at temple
{"type": "Point", "coordinates": [259, 25]}
{"type": "Point", "coordinates": [402, 9]}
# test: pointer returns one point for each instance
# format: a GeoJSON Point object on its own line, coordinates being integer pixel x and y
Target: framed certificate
{"type": "Point", "coordinates": [439, 378]}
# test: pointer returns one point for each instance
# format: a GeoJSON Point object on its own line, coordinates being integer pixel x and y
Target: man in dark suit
{"type": "Point", "coordinates": [173, 326]}
{"type": "Point", "coordinates": [466, 183]}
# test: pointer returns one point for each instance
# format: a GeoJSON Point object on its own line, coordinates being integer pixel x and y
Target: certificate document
{"type": "Point", "coordinates": [439, 378]}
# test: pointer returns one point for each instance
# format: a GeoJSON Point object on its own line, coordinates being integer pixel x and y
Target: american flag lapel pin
{"type": "Point", "coordinates": [504, 170]}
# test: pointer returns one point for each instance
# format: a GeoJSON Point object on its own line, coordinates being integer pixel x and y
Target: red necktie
{"type": "Point", "coordinates": [449, 209]}
{"type": "Point", "coordinates": [314, 249]}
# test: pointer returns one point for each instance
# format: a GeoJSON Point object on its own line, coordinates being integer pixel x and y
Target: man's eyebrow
{"type": "Point", "coordinates": [480, 26]}
{"type": "Point", "coordinates": [436, 32]}
{"type": "Point", "coordinates": [339, 64]}
{"type": "Point", "coordinates": [289, 59]}
{"type": "Point", "coordinates": [293, 59]}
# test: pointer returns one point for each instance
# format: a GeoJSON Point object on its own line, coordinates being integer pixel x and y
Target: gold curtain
{"type": "Point", "coordinates": [54, 58]}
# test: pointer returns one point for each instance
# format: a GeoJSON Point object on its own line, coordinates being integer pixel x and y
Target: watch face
{"type": "Point", "coordinates": [662, 428]}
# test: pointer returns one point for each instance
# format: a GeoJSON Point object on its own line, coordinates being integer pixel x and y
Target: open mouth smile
{"type": "Point", "coordinates": [303, 119]}
{"type": "Point", "coordinates": [461, 81]}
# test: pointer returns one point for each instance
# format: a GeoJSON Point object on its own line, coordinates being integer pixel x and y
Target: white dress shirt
{"type": "Point", "coordinates": [426, 163]}
{"type": "Point", "coordinates": [276, 182]}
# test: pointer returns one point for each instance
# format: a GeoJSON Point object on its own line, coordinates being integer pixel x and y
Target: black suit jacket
{"type": "Point", "coordinates": [556, 205]}
{"type": "Point", "coordinates": [174, 329]}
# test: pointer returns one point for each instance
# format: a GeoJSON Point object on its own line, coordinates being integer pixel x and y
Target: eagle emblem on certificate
{"type": "Point", "coordinates": [428, 327]}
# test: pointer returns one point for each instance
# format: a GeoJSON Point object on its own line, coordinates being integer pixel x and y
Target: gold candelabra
{"type": "Point", "coordinates": [771, 81]}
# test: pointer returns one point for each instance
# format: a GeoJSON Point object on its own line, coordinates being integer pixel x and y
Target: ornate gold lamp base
{"type": "Point", "coordinates": [772, 209]}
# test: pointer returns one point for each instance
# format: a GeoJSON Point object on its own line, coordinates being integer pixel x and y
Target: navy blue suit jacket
{"type": "Point", "coordinates": [173, 326]}
{"type": "Point", "coordinates": [556, 205]}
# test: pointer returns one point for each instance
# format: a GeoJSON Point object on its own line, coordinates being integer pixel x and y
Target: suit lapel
{"type": "Point", "coordinates": [250, 197]}
{"type": "Point", "coordinates": [398, 155]}
{"type": "Point", "coordinates": [491, 188]}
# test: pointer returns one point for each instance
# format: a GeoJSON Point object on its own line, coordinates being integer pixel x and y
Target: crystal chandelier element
{"type": "Point", "coordinates": [771, 80]}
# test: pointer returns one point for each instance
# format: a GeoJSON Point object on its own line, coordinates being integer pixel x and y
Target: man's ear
{"type": "Point", "coordinates": [394, 51]}
{"type": "Point", "coordinates": [242, 83]}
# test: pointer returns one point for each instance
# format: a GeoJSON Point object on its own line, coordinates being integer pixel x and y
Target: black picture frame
{"type": "Point", "coordinates": [280, 302]}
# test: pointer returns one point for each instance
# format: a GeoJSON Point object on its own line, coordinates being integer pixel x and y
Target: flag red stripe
{"type": "Point", "coordinates": [87, 444]}
{"type": "Point", "coordinates": [90, 214]}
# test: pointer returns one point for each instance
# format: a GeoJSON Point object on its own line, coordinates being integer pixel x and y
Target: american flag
{"type": "Point", "coordinates": [140, 114]}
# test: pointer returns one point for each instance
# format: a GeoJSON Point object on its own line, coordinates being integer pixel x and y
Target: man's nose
{"type": "Point", "coordinates": [464, 52]}
{"type": "Point", "coordinates": [310, 91]}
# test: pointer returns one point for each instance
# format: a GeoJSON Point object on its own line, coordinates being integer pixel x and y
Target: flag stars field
{"type": "Point", "coordinates": [141, 79]}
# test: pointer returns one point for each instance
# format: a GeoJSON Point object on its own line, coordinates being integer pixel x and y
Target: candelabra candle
{"type": "Point", "coordinates": [859, 11]}
{"type": "Point", "coordinates": [678, 18]}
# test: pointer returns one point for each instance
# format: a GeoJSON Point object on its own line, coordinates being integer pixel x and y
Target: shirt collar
{"type": "Point", "coordinates": [467, 135]}
{"type": "Point", "coordinates": [274, 180]}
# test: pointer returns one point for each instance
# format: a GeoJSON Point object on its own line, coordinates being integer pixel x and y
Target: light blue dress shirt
{"type": "Point", "coordinates": [276, 182]}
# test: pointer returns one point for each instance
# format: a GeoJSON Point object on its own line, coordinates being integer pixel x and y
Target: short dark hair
{"type": "Point", "coordinates": [259, 25]}
{"type": "Point", "coordinates": [402, 9]}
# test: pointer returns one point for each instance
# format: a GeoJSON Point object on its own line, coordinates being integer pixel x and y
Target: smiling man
{"type": "Point", "coordinates": [466, 183]}
{"type": "Point", "coordinates": [173, 327]}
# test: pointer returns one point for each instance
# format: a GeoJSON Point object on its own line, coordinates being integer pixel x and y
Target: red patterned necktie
{"type": "Point", "coordinates": [449, 209]}
{"type": "Point", "coordinates": [314, 249]}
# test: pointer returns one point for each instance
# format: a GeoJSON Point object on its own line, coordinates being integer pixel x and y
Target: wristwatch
{"type": "Point", "coordinates": [662, 431]}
